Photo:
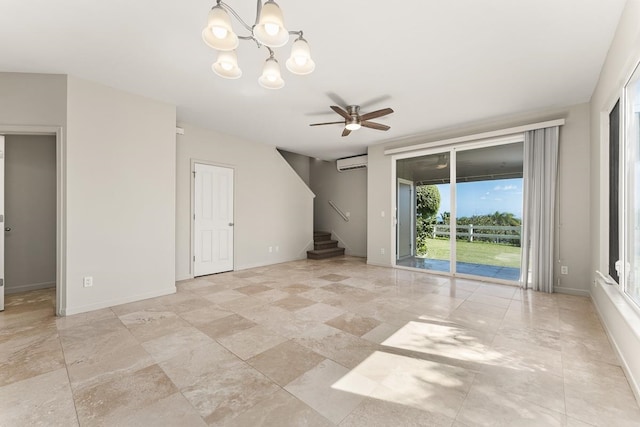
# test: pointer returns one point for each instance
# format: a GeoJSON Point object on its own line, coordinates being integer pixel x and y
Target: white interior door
{"type": "Point", "coordinates": [406, 214]}
{"type": "Point", "coordinates": [2, 287]}
{"type": "Point", "coordinates": [213, 220]}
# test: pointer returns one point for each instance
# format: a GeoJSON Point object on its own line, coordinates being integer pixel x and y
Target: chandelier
{"type": "Point", "coordinates": [268, 31]}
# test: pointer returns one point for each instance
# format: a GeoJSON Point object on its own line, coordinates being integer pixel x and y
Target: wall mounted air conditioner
{"type": "Point", "coordinates": [350, 163]}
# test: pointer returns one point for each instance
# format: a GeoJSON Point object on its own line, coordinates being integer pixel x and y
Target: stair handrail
{"type": "Point", "coordinates": [337, 209]}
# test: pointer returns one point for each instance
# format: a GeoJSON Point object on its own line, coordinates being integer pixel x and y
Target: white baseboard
{"type": "Point", "coordinates": [28, 287]}
{"type": "Point", "coordinates": [571, 291]}
{"type": "Point", "coordinates": [379, 264]}
{"type": "Point", "coordinates": [265, 264]}
{"type": "Point", "coordinates": [631, 319]}
{"type": "Point", "coordinates": [117, 301]}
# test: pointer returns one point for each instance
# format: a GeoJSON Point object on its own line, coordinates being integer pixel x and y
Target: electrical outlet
{"type": "Point", "coordinates": [87, 281]}
{"type": "Point", "coordinates": [381, 251]}
{"type": "Point", "coordinates": [564, 270]}
{"type": "Point", "coordinates": [382, 214]}
{"type": "Point", "coordinates": [270, 249]}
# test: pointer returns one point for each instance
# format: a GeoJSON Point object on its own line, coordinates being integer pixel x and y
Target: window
{"type": "Point", "coordinates": [614, 185]}
{"type": "Point", "coordinates": [630, 259]}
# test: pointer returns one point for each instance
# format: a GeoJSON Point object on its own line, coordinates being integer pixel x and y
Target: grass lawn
{"type": "Point", "coordinates": [475, 252]}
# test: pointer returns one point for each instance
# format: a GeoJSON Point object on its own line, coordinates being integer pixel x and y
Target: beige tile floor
{"type": "Point", "coordinates": [314, 343]}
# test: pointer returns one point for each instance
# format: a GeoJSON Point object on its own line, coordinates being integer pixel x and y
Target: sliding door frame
{"type": "Point", "coordinates": [452, 149]}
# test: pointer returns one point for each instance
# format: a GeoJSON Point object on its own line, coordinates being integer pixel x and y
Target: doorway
{"type": "Point", "coordinates": [29, 196]}
{"type": "Point", "coordinates": [468, 209]}
{"type": "Point", "coordinates": [213, 226]}
{"type": "Point", "coordinates": [405, 227]}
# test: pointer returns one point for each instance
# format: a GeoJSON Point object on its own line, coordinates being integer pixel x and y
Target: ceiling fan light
{"type": "Point", "coordinates": [442, 162]}
{"type": "Point", "coordinates": [227, 65]}
{"type": "Point", "coordinates": [271, 77]}
{"type": "Point", "coordinates": [270, 30]}
{"type": "Point", "coordinates": [218, 34]}
{"type": "Point", "coordinates": [300, 61]}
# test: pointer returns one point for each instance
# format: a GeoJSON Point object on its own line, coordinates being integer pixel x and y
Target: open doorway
{"type": "Point", "coordinates": [31, 213]}
{"type": "Point", "coordinates": [405, 226]}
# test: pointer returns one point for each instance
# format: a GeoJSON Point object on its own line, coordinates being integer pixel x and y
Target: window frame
{"type": "Point", "coordinates": [628, 156]}
{"type": "Point", "coordinates": [625, 233]}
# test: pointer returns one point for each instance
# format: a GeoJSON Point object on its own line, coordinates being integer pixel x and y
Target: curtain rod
{"type": "Point", "coordinates": [477, 136]}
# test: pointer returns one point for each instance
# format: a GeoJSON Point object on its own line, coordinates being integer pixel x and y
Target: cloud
{"type": "Point", "coordinates": [505, 188]}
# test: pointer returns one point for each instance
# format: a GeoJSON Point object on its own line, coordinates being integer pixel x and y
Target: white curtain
{"type": "Point", "coordinates": [540, 176]}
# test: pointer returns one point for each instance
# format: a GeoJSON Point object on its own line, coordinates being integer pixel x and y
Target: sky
{"type": "Point", "coordinates": [484, 197]}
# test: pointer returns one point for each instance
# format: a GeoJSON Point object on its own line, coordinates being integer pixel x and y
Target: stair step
{"type": "Point", "coordinates": [325, 244]}
{"type": "Point", "coordinates": [321, 236]}
{"type": "Point", "coordinates": [325, 253]}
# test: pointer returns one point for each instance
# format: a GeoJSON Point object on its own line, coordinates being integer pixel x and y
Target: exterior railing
{"type": "Point", "coordinates": [485, 232]}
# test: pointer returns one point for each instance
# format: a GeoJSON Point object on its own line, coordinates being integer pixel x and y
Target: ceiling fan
{"type": "Point", "coordinates": [353, 120]}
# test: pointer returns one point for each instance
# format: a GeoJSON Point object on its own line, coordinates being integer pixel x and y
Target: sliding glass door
{"type": "Point", "coordinates": [489, 211]}
{"type": "Point", "coordinates": [468, 210]}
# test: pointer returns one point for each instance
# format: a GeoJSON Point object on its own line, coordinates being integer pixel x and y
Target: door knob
{"type": "Point", "coordinates": [7, 229]}
{"type": "Point", "coordinates": [230, 224]}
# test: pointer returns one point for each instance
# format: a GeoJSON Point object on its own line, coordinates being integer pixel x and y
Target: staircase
{"type": "Point", "coordinates": [324, 247]}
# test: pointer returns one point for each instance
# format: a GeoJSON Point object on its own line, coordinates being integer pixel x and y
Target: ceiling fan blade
{"type": "Point", "coordinates": [372, 125]}
{"type": "Point", "coordinates": [346, 132]}
{"type": "Point", "coordinates": [340, 111]}
{"type": "Point", "coordinates": [328, 123]}
{"type": "Point", "coordinates": [376, 114]}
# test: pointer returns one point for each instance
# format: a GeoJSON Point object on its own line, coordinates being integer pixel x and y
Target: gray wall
{"type": "Point", "coordinates": [349, 191]}
{"type": "Point", "coordinates": [299, 163]}
{"type": "Point", "coordinates": [621, 321]}
{"type": "Point", "coordinates": [273, 206]}
{"type": "Point", "coordinates": [30, 211]}
{"type": "Point", "coordinates": [33, 99]}
{"type": "Point", "coordinates": [572, 246]}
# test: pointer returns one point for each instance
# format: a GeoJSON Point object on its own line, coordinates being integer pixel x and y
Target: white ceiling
{"type": "Point", "coordinates": [436, 63]}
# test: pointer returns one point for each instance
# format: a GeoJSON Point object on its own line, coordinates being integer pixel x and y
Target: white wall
{"type": "Point", "coordinates": [349, 191]}
{"type": "Point", "coordinates": [273, 206]}
{"type": "Point", "coordinates": [120, 196]}
{"type": "Point", "coordinates": [572, 246]}
{"type": "Point", "coordinates": [30, 212]}
{"type": "Point", "coordinates": [620, 319]}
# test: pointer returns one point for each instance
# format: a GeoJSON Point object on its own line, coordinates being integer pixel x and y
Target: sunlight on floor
{"type": "Point", "coordinates": [443, 339]}
{"type": "Point", "coordinates": [417, 383]}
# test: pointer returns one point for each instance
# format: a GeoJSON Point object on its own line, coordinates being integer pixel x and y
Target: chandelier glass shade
{"type": "Point", "coordinates": [227, 65]}
{"type": "Point", "coordinates": [268, 31]}
{"type": "Point", "coordinates": [218, 33]}
{"type": "Point", "coordinates": [271, 77]}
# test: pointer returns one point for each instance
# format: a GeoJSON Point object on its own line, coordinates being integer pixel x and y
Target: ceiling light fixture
{"type": "Point", "coordinates": [268, 31]}
{"type": "Point", "coordinates": [442, 161]}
